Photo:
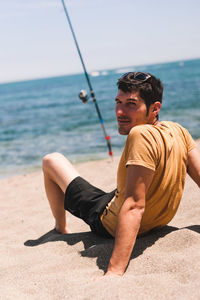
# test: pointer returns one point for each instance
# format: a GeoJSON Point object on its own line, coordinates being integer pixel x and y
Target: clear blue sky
{"type": "Point", "coordinates": [35, 39]}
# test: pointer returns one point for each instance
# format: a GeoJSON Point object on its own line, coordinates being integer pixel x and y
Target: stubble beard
{"type": "Point", "coordinates": [123, 131]}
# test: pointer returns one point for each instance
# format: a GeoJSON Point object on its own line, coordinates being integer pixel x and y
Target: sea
{"type": "Point", "coordinates": [46, 115]}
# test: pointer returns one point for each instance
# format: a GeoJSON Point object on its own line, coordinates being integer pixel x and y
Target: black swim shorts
{"type": "Point", "coordinates": [87, 202]}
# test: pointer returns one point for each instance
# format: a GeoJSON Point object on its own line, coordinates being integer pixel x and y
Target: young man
{"type": "Point", "coordinates": [150, 179]}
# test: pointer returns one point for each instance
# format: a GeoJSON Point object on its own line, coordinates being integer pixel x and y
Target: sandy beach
{"type": "Point", "coordinates": [37, 263]}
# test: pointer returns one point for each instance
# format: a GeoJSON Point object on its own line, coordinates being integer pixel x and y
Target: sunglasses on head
{"type": "Point", "coordinates": [135, 76]}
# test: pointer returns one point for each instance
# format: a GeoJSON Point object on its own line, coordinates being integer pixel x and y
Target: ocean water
{"type": "Point", "coordinates": [46, 115]}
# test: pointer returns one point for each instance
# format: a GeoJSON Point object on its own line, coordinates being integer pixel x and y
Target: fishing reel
{"type": "Point", "coordinates": [83, 96]}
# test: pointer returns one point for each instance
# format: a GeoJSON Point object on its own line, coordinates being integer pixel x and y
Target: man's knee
{"type": "Point", "coordinates": [50, 161]}
{"type": "Point", "coordinates": [57, 168]}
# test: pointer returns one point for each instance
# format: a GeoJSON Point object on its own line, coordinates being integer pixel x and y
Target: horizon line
{"type": "Point", "coordinates": [96, 70]}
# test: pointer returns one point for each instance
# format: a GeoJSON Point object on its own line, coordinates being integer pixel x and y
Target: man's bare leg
{"type": "Point", "coordinates": [58, 173]}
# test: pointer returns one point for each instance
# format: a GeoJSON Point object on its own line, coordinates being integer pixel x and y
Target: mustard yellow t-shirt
{"type": "Point", "coordinates": [163, 148]}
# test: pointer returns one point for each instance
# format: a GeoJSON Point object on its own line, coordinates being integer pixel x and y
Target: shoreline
{"type": "Point", "coordinates": [26, 171]}
{"type": "Point", "coordinates": [37, 169]}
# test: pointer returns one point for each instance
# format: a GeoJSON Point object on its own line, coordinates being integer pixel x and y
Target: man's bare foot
{"type": "Point", "coordinates": [64, 230]}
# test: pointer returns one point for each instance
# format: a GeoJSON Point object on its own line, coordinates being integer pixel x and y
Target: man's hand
{"type": "Point", "coordinates": [107, 275]}
{"type": "Point", "coordinates": [138, 181]}
{"type": "Point", "coordinates": [113, 273]}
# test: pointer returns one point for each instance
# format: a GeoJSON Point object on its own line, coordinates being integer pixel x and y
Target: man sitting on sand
{"type": "Point", "coordinates": [150, 179]}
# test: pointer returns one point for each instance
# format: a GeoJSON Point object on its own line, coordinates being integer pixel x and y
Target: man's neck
{"type": "Point", "coordinates": [155, 122]}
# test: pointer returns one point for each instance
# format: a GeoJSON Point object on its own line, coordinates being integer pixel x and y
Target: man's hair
{"type": "Point", "coordinates": [150, 88]}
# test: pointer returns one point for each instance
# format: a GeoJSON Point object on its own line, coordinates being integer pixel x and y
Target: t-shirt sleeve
{"type": "Point", "coordinates": [189, 140]}
{"type": "Point", "coordinates": [141, 148]}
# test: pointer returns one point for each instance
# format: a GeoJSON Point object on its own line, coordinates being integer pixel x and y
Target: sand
{"type": "Point", "coordinates": [37, 263]}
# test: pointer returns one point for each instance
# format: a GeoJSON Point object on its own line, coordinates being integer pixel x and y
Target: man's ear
{"type": "Point", "coordinates": [156, 106]}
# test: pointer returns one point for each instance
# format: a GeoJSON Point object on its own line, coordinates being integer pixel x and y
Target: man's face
{"type": "Point", "coordinates": [130, 111]}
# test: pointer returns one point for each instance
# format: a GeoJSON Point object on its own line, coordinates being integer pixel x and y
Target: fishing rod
{"type": "Point", "coordinates": [83, 94]}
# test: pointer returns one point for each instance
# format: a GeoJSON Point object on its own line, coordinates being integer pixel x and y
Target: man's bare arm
{"type": "Point", "coordinates": [194, 165]}
{"type": "Point", "coordinates": [138, 181]}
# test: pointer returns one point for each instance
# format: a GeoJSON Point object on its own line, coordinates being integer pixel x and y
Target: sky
{"type": "Point", "coordinates": [36, 42]}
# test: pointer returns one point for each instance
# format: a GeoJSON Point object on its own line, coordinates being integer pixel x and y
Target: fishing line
{"type": "Point", "coordinates": [83, 94]}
